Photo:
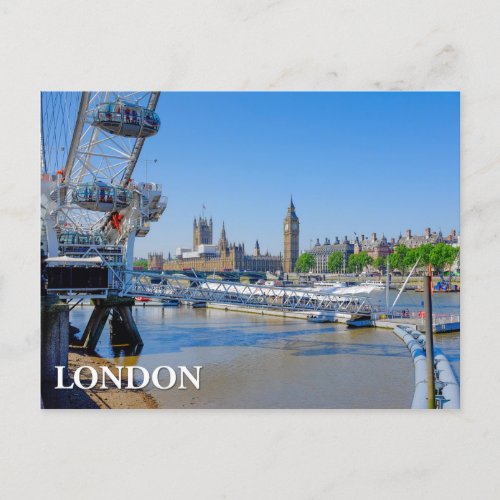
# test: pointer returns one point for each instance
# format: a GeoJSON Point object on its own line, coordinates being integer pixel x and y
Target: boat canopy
{"type": "Point", "coordinates": [126, 119]}
{"type": "Point", "coordinates": [73, 261]}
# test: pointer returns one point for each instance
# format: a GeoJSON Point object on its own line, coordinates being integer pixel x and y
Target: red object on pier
{"type": "Point", "coordinates": [116, 220]}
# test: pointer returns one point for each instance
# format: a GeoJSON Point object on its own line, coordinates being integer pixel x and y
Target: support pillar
{"type": "Point", "coordinates": [54, 339]}
{"type": "Point", "coordinates": [95, 326]}
{"type": "Point", "coordinates": [123, 329]}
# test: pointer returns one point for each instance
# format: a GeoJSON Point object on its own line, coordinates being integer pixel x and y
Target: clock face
{"type": "Point", "coordinates": [286, 227]}
{"type": "Point", "coordinates": [294, 227]}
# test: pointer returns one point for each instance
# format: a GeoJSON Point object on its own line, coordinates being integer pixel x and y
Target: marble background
{"type": "Point", "coordinates": [242, 45]}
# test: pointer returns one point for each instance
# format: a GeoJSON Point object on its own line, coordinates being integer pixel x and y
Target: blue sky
{"type": "Point", "coordinates": [354, 162]}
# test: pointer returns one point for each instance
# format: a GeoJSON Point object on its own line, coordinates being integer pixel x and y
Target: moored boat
{"type": "Point", "coordinates": [329, 284]}
{"type": "Point", "coordinates": [198, 305]}
{"type": "Point", "coordinates": [320, 318]}
{"type": "Point", "coordinates": [170, 302]}
{"type": "Point", "coordinates": [377, 284]}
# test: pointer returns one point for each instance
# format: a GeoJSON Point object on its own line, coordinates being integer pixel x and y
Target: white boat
{"type": "Point", "coordinates": [318, 319]}
{"type": "Point", "coordinates": [380, 285]}
{"type": "Point", "coordinates": [329, 284]}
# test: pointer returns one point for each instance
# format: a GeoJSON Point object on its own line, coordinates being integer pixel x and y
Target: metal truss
{"type": "Point", "coordinates": [59, 112]}
{"type": "Point", "coordinates": [99, 155]}
{"type": "Point", "coordinates": [82, 154]}
{"type": "Point", "coordinates": [226, 292]}
{"type": "Point", "coordinates": [190, 289]}
{"type": "Point", "coordinates": [73, 218]}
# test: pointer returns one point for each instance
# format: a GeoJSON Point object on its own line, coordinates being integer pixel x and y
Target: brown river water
{"type": "Point", "coordinates": [255, 361]}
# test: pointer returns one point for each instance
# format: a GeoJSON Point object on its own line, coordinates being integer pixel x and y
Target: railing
{"type": "Point", "coordinates": [260, 296]}
{"type": "Point", "coordinates": [418, 317]}
{"type": "Point", "coordinates": [193, 289]}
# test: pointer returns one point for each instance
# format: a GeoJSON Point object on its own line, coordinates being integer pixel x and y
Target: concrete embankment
{"type": "Point", "coordinates": [334, 317]}
{"type": "Point", "coordinates": [396, 281]}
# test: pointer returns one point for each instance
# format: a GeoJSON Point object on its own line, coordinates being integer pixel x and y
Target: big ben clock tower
{"type": "Point", "coordinates": [291, 231]}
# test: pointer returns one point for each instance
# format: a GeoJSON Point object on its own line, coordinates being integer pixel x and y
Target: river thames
{"type": "Point", "coordinates": [255, 361]}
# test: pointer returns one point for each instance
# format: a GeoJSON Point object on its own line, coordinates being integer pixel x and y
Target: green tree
{"type": "Point", "coordinates": [305, 263]}
{"type": "Point", "coordinates": [358, 261]}
{"type": "Point", "coordinates": [141, 263]}
{"type": "Point", "coordinates": [399, 259]}
{"type": "Point", "coordinates": [453, 254]}
{"type": "Point", "coordinates": [364, 260]}
{"type": "Point", "coordinates": [402, 258]}
{"type": "Point", "coordinates": [443, 255]}
{"type": "Point", "coordinates": [380, 263]}
{"type": "Point", "coordinates": [424, 252]}
{"type": "Point", "coordinates": [336, 262]}
{"type": "Point", "coordinates": [411, 257]}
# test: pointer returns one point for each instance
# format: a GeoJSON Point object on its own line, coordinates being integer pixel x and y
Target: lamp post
{"type": "Point", "coordinates": [429, 341]}
{"type": "Point", "coordinates": [147, 162]}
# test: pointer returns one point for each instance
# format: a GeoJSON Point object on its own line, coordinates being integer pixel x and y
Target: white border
{"type": "Point", "coordinates": [242, 45]}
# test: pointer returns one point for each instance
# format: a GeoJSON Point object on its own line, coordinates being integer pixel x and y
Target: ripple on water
{"type": "Point", "coordinates": [254, 361]}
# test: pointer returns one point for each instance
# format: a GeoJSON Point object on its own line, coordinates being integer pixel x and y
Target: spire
{"type": "Point", "coordinates": [223, 243]}
{"type": "Point", "coordinates": [291, 209]}
{"type": "Point", "coordinates": [256, 250]}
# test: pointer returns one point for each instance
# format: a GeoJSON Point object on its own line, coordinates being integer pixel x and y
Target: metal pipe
{"type": "Point", "coordinates": [387, 281]}
{"type": "Point", "coordinates": [429, 341]}
{"type": "Point", "coordinates": [403, 287]}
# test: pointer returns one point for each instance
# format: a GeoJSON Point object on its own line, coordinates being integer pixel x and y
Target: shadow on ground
{"type": "Point", "coordinates": [75, 398]}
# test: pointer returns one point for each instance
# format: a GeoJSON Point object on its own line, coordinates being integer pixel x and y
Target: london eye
{"type": "Point", "coordinates": [90, 145]}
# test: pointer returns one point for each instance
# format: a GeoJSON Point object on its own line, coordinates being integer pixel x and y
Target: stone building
{"type": "Point", "coordinates": [225, 256]}
{"type": "Point", "coordinates": [453, 238]}
{"type": "Point", "coordinates": [413, 241]}
{"type": "Point", "coordinates": [374, 247]}
{"type": "Point", "coordinates": [263, 262]}
{"type": "Point", "coordinates": [256, 250]}
{"type": "Point", "coordinates": [322, 252]}
{"type": "Point", "coordinates": [202, 232]}
{"type": "Point", "coordinates": [291, 236]}
{"type": "Point", "coordinates": [155, 261]}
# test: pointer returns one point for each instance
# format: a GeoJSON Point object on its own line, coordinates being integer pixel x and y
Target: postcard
{"type": "Point", "coordinates": [250, 250]}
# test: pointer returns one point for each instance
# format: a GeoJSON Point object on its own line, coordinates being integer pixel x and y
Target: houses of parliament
{"type": "Point", "coordinates": [224, 256]}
